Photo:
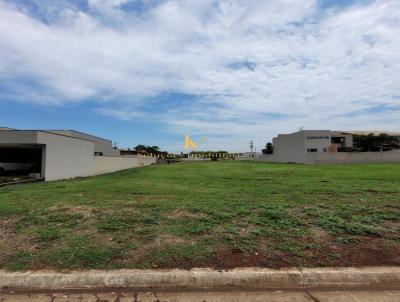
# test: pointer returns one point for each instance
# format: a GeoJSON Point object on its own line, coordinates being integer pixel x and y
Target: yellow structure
{"type": "Point", "coordinates": [190, 143]}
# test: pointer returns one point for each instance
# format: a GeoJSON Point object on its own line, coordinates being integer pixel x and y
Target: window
{"type": "Point", "coordinates": [317, 137]}
{"type": "Point", "coordinates": [312, 150]}
{"type": "Point", "coordinates": [324, 149]}
{"type": "Point", "coordinates": [98, 153]}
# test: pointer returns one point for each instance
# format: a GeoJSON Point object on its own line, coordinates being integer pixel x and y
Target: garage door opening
{"type": "Point", "coordinates": [20, 163]}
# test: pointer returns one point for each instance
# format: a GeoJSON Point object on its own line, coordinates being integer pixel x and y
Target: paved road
{"type": "Point", "coordinates": [202, 296]}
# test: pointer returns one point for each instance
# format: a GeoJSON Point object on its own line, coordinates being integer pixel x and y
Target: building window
{"type": "Point", "coordinates": [312, 150]}
{"type": "Point", "coordinates": [98, 153]}
{"type": "Point", "coordinates": [317, 137]}
{"type": "Point", "coordinates": [324, 149]}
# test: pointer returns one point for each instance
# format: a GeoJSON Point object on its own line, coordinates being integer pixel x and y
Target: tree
{"type": "Point", "coordinates": [140, 148]}
{"type": "Point", "coordinates": [269, 149]}
{"type": "Point", "coordinates": [153, 149]}
{"type": "Point", "coordinates": [150, 149]}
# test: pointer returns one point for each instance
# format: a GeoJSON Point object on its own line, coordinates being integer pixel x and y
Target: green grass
{"type": "Point", "coordinates": [201, 214]}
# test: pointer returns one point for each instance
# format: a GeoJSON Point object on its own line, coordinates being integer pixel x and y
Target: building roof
{"type": "Point", "coordinates": [58, 133]}
{"type": "Point", "coordinates": [375, 133]}
{"type": "Point", "coordinates": [356, 132]}
{"type": "Point", "coordinates": [72, 133]}
{"type": "Point", "coordinates": [67, 133]}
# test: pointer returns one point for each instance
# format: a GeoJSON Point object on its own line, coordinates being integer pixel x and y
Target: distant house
{"type": "Point", "coordinates": [60, 154]}
{"type": "Point", "coordinates": [325, 146]}
{"type": "Point", "coordinates": [247, 155]}
{"type": "Point", "coordinates": [127, 152]}
{"type": "Point", "coordinates": [312, 141]}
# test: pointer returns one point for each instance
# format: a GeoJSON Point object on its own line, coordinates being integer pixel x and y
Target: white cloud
{"type": "Point", "coordinates": [121, 114]}
{"type": "Point", "coordinates": [107, 3]}
{"type": "Point", "coordinates": [244, 61]}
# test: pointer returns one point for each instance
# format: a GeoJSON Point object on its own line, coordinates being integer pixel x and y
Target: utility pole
{"type": "Point", "coordinates": [251, 148]}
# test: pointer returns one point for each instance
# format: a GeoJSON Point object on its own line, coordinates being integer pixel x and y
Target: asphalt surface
{"type": "Point", "coordinates": [300, 295]}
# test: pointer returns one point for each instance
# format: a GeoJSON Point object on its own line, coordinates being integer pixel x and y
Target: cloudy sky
{"type": "Point", "coordinates": [151, 71]}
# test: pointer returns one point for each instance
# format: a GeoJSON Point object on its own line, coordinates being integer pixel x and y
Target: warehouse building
{"type": "Point", "coordinates": [61, 154]}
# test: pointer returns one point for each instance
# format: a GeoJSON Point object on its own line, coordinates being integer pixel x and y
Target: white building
{"type": "Point", "coordinates": [247, 155]}
{"type": "Point", "coordinates": [312, 141]}
{"type": "Point", "coordinates": [61, 154]}
{"type": "Point", "coordinates": [326, 146]}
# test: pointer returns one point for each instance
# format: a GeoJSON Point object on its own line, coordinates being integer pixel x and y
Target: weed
{"type": "Point", "coordinates": [336, 225]}
{"type": "Point", "coordinates": [82, 252]}
{"type": "Point", "coordinates": [110, 223]}
{"type": "Point", "coordinates": [171, 254]}
{"type": "Point", "coordinates": [48, 234]}
{"type": "Point", "coordinates": [21, 260]}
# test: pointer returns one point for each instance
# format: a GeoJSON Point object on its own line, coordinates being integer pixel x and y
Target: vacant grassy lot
{"type": "Point", "coordinates": [220, 214]}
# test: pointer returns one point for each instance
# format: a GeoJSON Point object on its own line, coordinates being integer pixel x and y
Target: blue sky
{"type": "Point", "coordinates": [151, 71]}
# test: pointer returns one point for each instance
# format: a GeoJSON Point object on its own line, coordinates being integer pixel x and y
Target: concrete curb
{"type": "Point", "coordinates": [256, 278]}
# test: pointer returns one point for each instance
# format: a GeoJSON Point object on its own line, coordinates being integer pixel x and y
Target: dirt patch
{"type": "Point", "coordinates": [246, 231]}
{"type": "Point", "coordinates": [371, 252]}
{"type": "Point", "coordinates": [88, 227]}
{"type": "Point", "coordinates": [360, 251]}
{"type": "Point", "coordinates": [222, 259]}
{"type": "Point", "coordinates": [319, 233]}
{"type": "Point", "coordinates": [168, 239]}
{"type": "Point", "coordinates": [84, 211]}
{"type": "Point", "coordinates": [182, 213]}
{"type": "Point", "coordinates": [10, 241]}
{"type": "Point", "coordinates": [392, 225]}
{"type": "Point", "coordinates": [230, 258]}
{"type": "Point", "coordinates": [142, 253]}
{"type": "Point", "coordinates": [366, 252]}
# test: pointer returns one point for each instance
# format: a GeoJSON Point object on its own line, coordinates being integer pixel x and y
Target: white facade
{"type": "Point", "coordinates": [325, 147]}
{"type": "Point", "coordinates": [64, 156]}
{"type": "Point", "coordinates": [311, 141]}
{"type": "Point", "coordinates": [101, 146]}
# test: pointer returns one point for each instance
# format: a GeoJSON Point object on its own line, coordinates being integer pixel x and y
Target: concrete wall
{"type": "Point", "coordinates": [107, 164]}
{"type": "Point", "coordinates": [289, 143]}
{"type": "Point", "coordinates": [18, 137]}
{"type": "Point", "coordinates": [357, 157]}
{"type": "Point", "coordinates": [334, 157]}
{"type": "Point", "coordinates": [102, 145]}
{"type": "Point", "coordinates": [65, 157]}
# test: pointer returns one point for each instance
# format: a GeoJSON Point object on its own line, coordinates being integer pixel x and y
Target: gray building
{"type": "Point", "coordinates": [61, 154]}
{"type": "Point", "coordinates": [326, 147]}
{"type": "Point", "coordinates": [312, 141]}
{"type": "Point", "coordinates": [102, 146]}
